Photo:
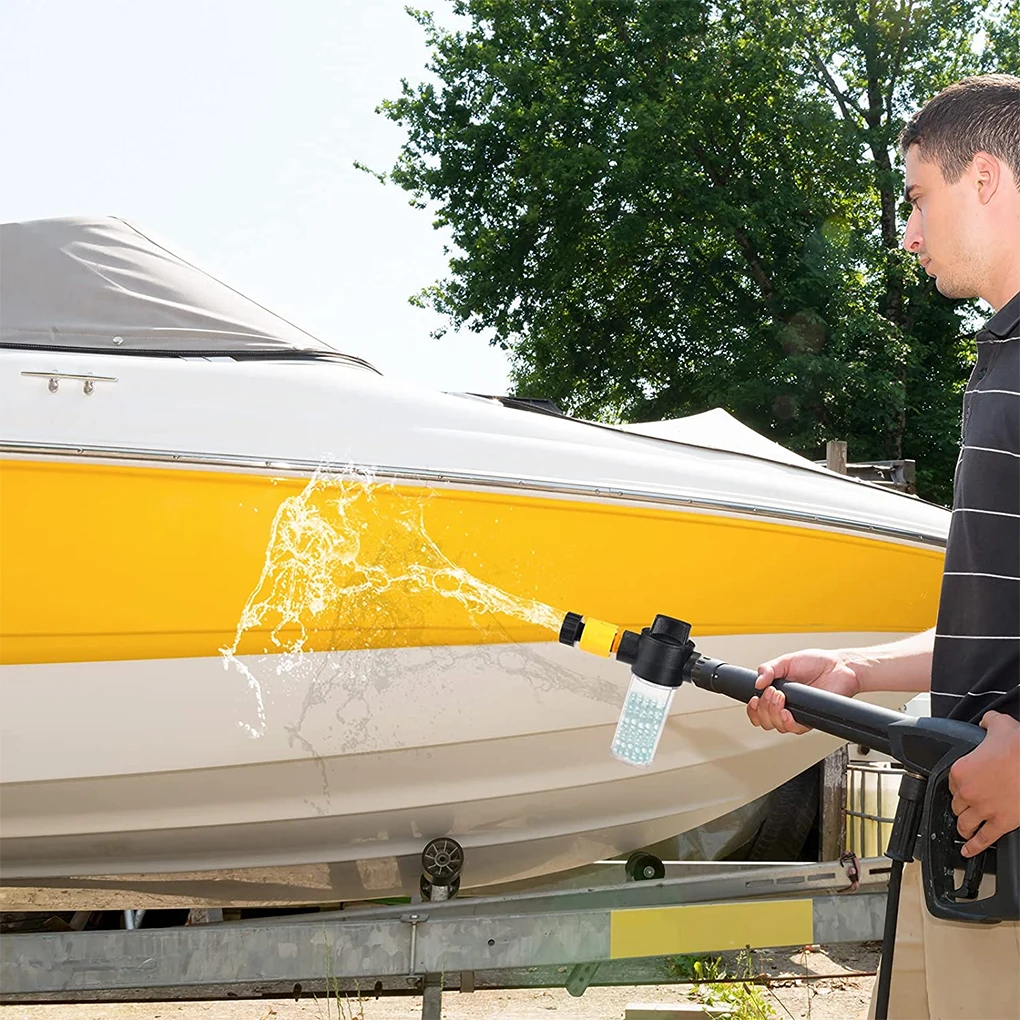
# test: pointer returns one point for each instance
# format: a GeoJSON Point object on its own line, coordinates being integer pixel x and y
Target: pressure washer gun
{"type": "Point", "coordinates": [662, 657]}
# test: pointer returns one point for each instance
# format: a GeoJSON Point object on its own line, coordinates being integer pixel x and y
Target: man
{"type": "Point", "coordinates": [962, 162]}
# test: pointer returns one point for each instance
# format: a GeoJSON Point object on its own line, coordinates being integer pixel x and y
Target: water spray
{"type": "Point", "coordinates": [663, 657]}
{"type": "Point", "coordinates": [346, 547]}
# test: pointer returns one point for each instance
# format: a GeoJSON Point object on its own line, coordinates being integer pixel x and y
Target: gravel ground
{"type": "Point", "coordinates": [818, 983]}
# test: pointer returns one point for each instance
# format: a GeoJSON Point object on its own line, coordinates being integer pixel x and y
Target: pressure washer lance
{"type": "Point", "coordinates": [662, 657]}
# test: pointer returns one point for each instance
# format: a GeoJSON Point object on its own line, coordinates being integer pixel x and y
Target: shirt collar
{"type": "Point", "coordinates": [1005, 321]}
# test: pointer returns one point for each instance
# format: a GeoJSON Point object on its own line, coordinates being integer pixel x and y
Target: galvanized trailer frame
{"type": "Point", "coordinates": [531, 939]}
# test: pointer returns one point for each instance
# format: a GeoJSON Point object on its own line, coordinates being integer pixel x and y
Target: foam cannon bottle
{"type": "Point", "coordinates": [662, 657]}
{"type": "Point", "coordinates": [657, 657]}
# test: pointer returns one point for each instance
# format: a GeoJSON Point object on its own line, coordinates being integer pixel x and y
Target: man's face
{"type": "Point", "coordinates": [944, 228]}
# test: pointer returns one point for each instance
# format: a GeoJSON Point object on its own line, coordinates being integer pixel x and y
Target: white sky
{"type": "Point", "coordinates": [229, 128]}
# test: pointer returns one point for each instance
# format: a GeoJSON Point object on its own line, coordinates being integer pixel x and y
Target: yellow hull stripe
{"type": "Point", "coordinates": [102, 561]}
{"type": "Point", "coordinates": [710, 927]}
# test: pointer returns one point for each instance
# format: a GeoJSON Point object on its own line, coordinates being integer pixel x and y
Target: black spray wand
{"type": "Point", "coordinates": [662, 658]}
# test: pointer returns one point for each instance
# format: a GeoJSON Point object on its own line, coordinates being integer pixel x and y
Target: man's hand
{"type": "Point", "coordinates": [986, 785]}
{"type": "Point", "coordinates": [828, 671]}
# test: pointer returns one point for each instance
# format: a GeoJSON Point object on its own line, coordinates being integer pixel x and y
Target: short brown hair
{"type": "Point", "coordinates": [979, 114]}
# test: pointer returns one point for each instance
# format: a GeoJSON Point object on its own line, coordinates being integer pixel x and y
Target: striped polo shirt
{"type": "Point", "coordinates": [976, 662]}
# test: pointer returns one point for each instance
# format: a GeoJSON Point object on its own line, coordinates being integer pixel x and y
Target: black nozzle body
{"type": "Point", "coordinates": [662, 652]}
{"type": "Point", "coordinates": [627, 651]}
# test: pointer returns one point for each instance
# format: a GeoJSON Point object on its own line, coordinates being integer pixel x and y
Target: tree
{"type": "Point", "coordinates": [878, 62]}
{"type": "Point", "coordinates": [659, 207]}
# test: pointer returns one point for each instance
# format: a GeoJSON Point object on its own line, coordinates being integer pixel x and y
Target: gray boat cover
{"type": "Point", "coordinates": [100, 284]}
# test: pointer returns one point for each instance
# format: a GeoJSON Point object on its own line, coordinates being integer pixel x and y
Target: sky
{"type": "Point", "coordinates": [229, 129]}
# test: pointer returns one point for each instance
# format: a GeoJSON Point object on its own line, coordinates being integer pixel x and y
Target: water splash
{"type": "Point", "coordinates": [349, 564]}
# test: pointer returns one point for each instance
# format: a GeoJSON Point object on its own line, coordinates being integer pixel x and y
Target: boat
{"type": "Point", "coordinates": [270, 621]}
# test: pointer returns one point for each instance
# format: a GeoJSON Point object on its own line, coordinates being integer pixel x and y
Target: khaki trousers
{"type": "Point", "coordinates": [944, 970]}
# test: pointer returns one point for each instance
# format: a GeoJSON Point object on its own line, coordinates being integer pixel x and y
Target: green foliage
{"type": "Point", "coordinates": [736, 1000]}
{"type": "Point", "coordinates": [1002, 28]}
{"type": "Point", "coordinates": [696, 967]}
{"type": "Point", "coordinates": [662, 207]}
{"type": "Point", "coordinates": [733, 996]}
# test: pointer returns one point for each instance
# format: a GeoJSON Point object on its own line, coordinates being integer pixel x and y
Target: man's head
{"type": "Point", "coordinates": [962, 154]}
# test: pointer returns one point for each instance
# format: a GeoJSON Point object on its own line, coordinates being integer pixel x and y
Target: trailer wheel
{"type": "Point", "coordinates": [644, 867]}
{"type": "Point", "coordinates": [441, 860]}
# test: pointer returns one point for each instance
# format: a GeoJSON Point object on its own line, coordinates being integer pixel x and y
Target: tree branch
{"type": "Point", "coordinates": [826, 80]}
{"type": "Point", "coordinates": [897, 60]}
{"type": "Point", "coordinates": [757, 268]}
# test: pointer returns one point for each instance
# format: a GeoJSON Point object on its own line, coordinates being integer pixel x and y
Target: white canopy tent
{"type": "Point", "coordinates": [718, 430]}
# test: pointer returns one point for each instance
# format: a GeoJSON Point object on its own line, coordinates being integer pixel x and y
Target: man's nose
{"type": "Point", "coordinates": [912, 237]}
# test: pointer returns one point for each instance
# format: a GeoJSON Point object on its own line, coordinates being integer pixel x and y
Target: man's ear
{"type": "Point", "coordinates": [986, 171]}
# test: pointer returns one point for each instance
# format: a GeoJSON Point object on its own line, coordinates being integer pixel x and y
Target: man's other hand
{"type": "Point", "coordinates": [986, 785]}
{"type": "Point", "coordinates": [827, 670]}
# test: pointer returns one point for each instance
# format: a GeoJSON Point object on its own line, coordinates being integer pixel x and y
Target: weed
{"type": "Point", "coordinates": [733, 996]}
{"type": "Point", "coordinates": [345, 1009]}
{"type": "Point", "coordinates": [696, 967]}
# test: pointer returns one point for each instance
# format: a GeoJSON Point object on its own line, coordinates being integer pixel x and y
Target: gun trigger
{"type": "Point", "coordinates": [972, 876]}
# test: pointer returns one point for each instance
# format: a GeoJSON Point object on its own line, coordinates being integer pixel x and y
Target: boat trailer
{"type": "Point", "coordinates": [614, 934]}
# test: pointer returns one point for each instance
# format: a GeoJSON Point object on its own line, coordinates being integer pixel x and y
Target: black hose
{"type": "Point", "coordinates": [885, 966]}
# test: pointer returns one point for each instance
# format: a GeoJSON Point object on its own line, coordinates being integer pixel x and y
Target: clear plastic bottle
{"type": "Point", "coordinates": [642, 720]}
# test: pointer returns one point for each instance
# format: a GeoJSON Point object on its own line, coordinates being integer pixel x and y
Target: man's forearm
{"type": "Point", "coordinates": [898, 666]}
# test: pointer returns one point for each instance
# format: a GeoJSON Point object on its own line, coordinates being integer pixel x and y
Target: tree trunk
{"type": "Point", "coordinates": [893, 308]}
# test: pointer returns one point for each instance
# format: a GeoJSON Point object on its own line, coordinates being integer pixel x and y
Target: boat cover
{"type": "Point", "coordinates": [100, 284]}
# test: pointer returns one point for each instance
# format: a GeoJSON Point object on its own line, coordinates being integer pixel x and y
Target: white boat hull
{"type": "Point", "coordinates": [365, 757]}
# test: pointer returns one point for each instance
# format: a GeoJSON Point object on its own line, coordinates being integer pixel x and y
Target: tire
{"type": "Point", "coordinates": [792, 814]}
